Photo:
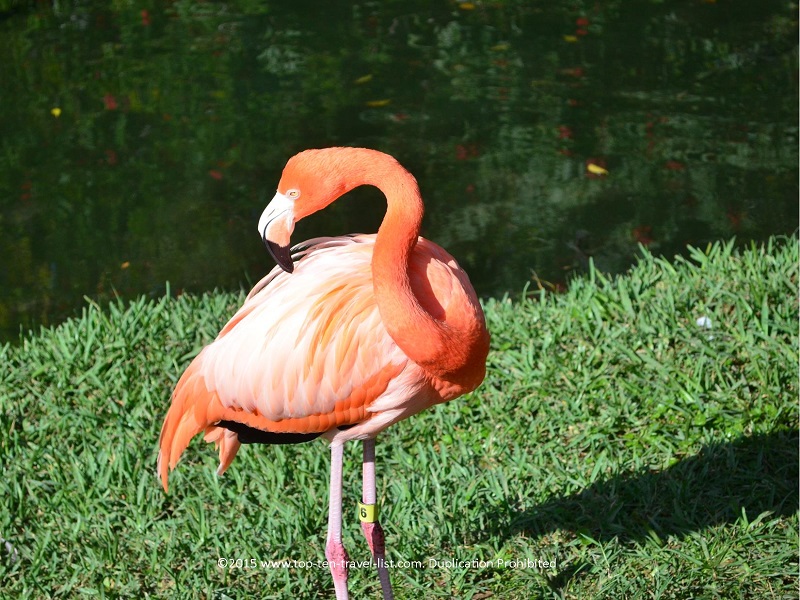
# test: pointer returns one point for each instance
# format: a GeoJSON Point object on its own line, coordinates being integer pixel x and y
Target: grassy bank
{"type": "Point", "coordinates": [642, 453]}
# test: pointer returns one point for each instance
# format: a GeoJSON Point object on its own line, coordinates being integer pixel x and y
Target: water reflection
{"type": "Point", "coordinates": [140, 145]}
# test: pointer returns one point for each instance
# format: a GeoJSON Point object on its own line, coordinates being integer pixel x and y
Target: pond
{"type": "Point", "coordinates": [141, 141]}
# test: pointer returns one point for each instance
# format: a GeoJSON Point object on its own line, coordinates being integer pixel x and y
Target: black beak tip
{"type": "Point", "coordinates": [281, 254]}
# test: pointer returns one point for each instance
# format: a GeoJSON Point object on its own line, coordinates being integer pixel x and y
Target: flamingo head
{"type": "Point", "coordinates": [311, 181]}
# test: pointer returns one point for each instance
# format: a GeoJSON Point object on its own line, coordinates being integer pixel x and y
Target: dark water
{"type": "Point", "coordinates": [139, 145]}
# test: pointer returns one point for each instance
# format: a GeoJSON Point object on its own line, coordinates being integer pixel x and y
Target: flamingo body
{"type": "Point", "coordinates": [307, 354]}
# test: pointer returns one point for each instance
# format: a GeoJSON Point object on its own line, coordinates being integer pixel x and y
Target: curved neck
{"type": "Point", "coordinates": [425, 340]}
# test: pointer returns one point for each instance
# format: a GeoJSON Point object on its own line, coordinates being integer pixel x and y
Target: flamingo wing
{"type": "Point", "coordinates": [306, 353]}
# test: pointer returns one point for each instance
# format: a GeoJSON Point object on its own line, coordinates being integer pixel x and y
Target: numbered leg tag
{"type": "Point", "coordinates": [367, 513]}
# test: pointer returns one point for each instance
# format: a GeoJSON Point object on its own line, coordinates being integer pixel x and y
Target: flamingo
{"type": "Point", "coordinates": [343, 338]}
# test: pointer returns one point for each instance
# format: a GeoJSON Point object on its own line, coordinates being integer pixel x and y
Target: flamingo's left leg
{"type": "Point", "coordinates": [369, 520]}
{"type": "Point", "coordinates": [334, 550]}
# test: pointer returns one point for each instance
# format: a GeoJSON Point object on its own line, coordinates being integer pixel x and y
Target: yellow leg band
{"type": "Point", "coordinates": [368, 513]}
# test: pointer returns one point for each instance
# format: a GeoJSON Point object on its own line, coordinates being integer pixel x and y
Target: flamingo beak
{"type": "Point", "coordinates": [280, 255]}
{"type": "Point", "coordinates": [275, 226]}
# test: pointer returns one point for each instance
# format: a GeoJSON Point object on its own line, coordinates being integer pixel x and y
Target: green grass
{"type": "Point", "coordinates": [648, 457]}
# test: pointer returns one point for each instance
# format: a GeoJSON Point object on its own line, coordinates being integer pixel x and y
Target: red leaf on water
{"type": "Point", "coordinates": [643, 234]}
{"type": "Point", "coordinates": [215, 174]}
{"type": "Point", "coordinates": [674, 165]}
{"type": "Point", "coordinates": [465, 151]}
{"type": "Point", "coordinates": [734, 218]}
{"type": "Point", "coordinates": [110, 102]}
{"type": "Point", "coordinates": [574, 72]}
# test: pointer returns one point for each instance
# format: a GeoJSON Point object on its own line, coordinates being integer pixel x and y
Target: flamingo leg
{"type": "Point", "coordinates": [373, 531]}
{"type": "Point", "coordinates": [334, 550]}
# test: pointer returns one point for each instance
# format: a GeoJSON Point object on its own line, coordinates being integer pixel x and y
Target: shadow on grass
{"type": "Point", "coordinates": [755, 474]}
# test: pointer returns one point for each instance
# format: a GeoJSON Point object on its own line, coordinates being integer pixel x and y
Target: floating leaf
{"type": "Point", "coordinates": [643, 234]}
{"type": "Point", "coordinates": [125, 265]}
{"type": "Point", "coordinates": [378, 103]}
{"type": "Point", "coordinates": [56, 112]}
{"type": "Point", "coordinates": [571, 38]}
{"type": "Point", "coordinates": [110, 102]}
{"type": "Point", "coordinates": [735, 218]}
{"type": "Point", "coordinates": [364, 79]}
{"type": "Point", "coordinates": [499, 47]}
{"type": "Point", "coordinates": [466, 5]}
{"type": "Point", "coordinates": [674, 165]}
{"type": "Point", "coordinates": [574, 72]}
{"type": "Point", "coordinates": [466, 151]}
{"type": "Point", "coordinates": [596, 169]}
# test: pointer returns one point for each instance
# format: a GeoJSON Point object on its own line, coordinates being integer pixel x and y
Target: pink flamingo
{"type": "Point", "coordinates": [367, 330]}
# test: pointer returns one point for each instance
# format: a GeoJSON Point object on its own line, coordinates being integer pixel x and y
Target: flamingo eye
{"type": "Point", "coordinates": [293, 194]}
